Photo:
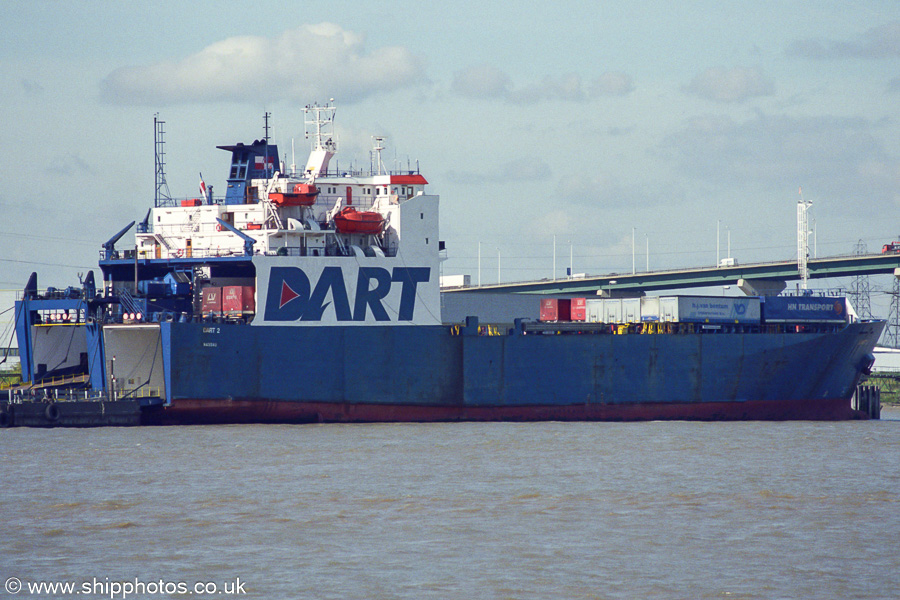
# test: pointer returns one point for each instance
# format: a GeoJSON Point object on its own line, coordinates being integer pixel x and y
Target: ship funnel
{"type": "Point", "coordinates": [318, 162]}
{"type": "Point", "coordinates": [248, 162]}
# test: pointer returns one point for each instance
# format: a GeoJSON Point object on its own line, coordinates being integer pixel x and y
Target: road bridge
{"type": "Point", "coordinates": [757, 278]}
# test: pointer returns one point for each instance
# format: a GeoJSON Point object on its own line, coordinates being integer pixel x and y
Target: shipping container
{"type": "Point", "coordinates": [578, 309]}
{"type": "Point", "coordinates": [804, 309]}
{"type": "Point", "coordinates": [709, 309]}
{"type": "Point", "coordinates": [563, 309]}
{"type": "Point", "coordinates": [448, 281]}
{"type": "Point", "coordinates": [237, 300]}
{"type": "Point", "coordinates": [650, 308]}
{"type": "Point", "coordinates": [631, 310]}
{"type": "Point", "coordinates": [593, 308]}
{"type": "Point", "coordinates": [211, 303]}
{"type": "Point", "coordinates": [613, 310]}
{"type": "Point", "coordinates": [549, 309]}
{"type": "Point", "coordinates": [686, 309]}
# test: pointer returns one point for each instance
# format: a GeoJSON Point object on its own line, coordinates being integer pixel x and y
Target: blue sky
{"type": "Point", "coordinates": [574, 119]}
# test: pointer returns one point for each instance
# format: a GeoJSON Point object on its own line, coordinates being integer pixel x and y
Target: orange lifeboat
{"type": "Point", "coordinates": [302, 194]}
{"type": "Point", "coordinates": [350, 220]}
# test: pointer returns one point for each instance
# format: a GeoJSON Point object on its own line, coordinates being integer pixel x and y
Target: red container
{"type": "Point", "coordinates": [549, 309]}
{"type": "Point", "coordinates": [563, 309]}
{"type": "Point", "coordinates": [211, 303]}
{"type": "Point", "coordinates": [192, 202]}
{"type": "Point", "coordinates": [237, 300]}
{"type": "Point", "coordinates": [578, 310]}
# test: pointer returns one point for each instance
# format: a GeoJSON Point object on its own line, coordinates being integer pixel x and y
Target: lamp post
{"type": "Point", "coordinates": [647, 239]}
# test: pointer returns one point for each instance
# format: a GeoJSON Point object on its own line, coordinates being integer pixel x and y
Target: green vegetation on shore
{"type": "Point", "coordinates": [889, 385]}
{"type": "Point", "coordinates": [11, 376]}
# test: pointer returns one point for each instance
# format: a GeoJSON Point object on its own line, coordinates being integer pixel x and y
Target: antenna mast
{"type": "Point", "coordinates": [319, 124]}
{"type": "Point", "coordinates": [266, 116]}
{"type": "Point", "coordinates": [803, 239]}
{"type": "Point", "coordinates": [378, 146]}
{"type": "Point", "coordinates": [293, 160]}
{"type": "Point", "coordinates": [159, 147]}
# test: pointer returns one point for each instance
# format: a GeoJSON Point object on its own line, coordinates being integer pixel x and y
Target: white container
{"type": "Point", "coordinates": [631, 310]}
{"type": "Point", "coordinates": [448, 281]}
{"type": "Point", "coordinates": [650, 308]}
{"type": "Point", "coordinates": [708, 309]}
{"type": "Point", "coordinates": [594, 310]}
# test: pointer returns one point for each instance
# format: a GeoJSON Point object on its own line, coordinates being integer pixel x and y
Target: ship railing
{"type": "Point", "coordinates": [351, 172]}
{"type": "Point", "coordinates": [389, 250]}
{"type": "Point", "coordinates": [20, 396]}
{"type": "Point", "coordinates": [659, 328]}
{"type": "Point", "coordinates": [118, 254]}
{"type": "Point", "coordinates": [140, 392]}
{"type": "Point", "coordinates": [193, 253]}
{"type": "Point", "coordinates": [47, 382]}
{"type": "Point", "coordinates": [52, 293]}
{"type": "Point", "coordinates": [177, 202]}
{"type": "Point", "coordinates": [12, 380]}
{"type": "Point", "coordinates": [60, 380]}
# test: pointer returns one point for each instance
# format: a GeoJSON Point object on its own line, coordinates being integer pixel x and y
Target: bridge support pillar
{"type": "Point", "coordinates": [761, 287]}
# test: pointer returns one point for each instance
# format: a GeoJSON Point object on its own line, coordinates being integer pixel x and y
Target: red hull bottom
{"type": "Point", "coordinates": [199, 411]}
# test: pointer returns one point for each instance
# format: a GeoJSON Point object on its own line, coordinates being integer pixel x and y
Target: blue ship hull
{"type": "Point", "coordinates": [235, 373]}
{"type": "Point", "coordinates": [261, 306]}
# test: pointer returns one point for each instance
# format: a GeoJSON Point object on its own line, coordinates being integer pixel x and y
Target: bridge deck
{"type": "Point", "coordinates": [836, 266]}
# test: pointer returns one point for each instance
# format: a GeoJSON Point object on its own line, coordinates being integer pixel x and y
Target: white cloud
{"type": "Point", "coordinates": [32, 87]}
{"type": "Point", "coordinates": [612, 84]}
{"type": "Point", "coordinates": [69, 165]}
{"type": "Point", "coordinates": [605, 192]}
{"type": "Point", "coordinates": [566, 87]}
{"type": "Point", "coordinates": [481, 81]}
{"type": "Point", "coordinates": [877, 42]}
{"type": "Point", "coordinates": [517, 170]}
{"type": "Point", "coordinates": [309, 62]}
{"type": "Point", "coordinates": [730, 85]}
{"type": "Point", "coordinates": [487, 81]}
{"type": "Point", "coordinates": [841, 155]}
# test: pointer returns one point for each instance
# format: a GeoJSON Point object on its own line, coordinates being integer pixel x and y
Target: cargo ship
{"type": "Point", "coordinates": [313, 295]}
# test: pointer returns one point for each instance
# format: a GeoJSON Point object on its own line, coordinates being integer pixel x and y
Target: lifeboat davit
{"type": "Point", "coordinates": [302, 194]}
{"type": "Point", "coordinates": [350, 220]}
